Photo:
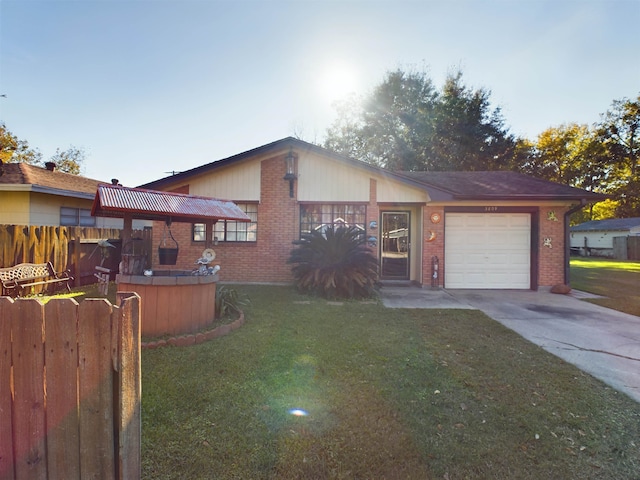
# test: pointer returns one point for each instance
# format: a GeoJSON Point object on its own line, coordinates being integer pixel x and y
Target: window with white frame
{"type": "Point", "coordinates": [229, 230]}
{"type": "Point", "coordinates": [76, 217]}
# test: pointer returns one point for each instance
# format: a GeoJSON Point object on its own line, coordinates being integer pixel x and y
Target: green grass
{"type": "Point", "coordinates": [390, 393]}
{"type": "Point", "coordinates": [617, 281]}
{"type": "Point", "coordinates": [79, 293]}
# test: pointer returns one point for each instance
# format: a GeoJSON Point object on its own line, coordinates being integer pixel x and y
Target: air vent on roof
{"type": "Point", "coordinates": [51, 166]}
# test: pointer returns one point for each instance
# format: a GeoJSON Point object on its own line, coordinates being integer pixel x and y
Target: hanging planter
{"type": "Point", "coordinates": [168, 248]}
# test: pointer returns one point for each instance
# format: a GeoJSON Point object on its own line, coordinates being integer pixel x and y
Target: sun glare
{"type": "Point", "coordinates": [337, 82]}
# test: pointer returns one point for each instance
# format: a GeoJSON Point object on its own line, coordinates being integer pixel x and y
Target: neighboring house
{"type": "Point", "coordinates": [453, 229]}
{"type": "Point", "coordinates": [596, 237]}
{"type": "Point", "coordinates": [31, 195]}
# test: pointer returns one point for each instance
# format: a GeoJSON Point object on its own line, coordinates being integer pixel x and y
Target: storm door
{"type": "Point", "coordinates": [395, 246]}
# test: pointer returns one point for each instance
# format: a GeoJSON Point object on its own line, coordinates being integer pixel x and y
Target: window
{"type": "Point", "coordinates": [74, 217]}
{"type": "Point", "coordinates": [231, 231]}
{"type": "Point", "coordinates": [317, 216]}
{"type": "Point", "coordinates": [199, 232]}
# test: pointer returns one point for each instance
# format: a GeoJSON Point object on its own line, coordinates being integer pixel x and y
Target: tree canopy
{"type": "Point", "coordinates": [408, 124]}
{"type": "Point", "coordinates": [14, 150]}
{"type": "Point", "coordinates": [604, 157]}
{"type": "Point", "coordinates": [619, 133]}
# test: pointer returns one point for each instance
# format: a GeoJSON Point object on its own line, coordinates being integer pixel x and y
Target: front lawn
{"type": "Point", "coordinates": [617, 281]}
{"type": "Point", "coordinates": [308, 389]}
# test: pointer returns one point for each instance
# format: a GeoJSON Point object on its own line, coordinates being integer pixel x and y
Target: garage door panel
{"type": "Point", "coordinates": [499, 260]}
{"type": "Point", "coordinates": [487, 250]}
{"type": "Point", "coordinates": [521, 220]}
{"type": "Point", "coordinates": [497, 221]}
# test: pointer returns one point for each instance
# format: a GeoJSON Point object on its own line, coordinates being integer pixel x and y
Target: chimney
{"type": "Point", "coordinates": [115, 181]}
{"type": "Point", "coordinates": [51, 166]}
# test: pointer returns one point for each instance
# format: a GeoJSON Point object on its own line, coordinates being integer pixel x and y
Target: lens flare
{"type": "Point", "coordinates": [298, 412]}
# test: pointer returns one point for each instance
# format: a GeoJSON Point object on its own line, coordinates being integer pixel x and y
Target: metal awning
{"type": "Point", "coordinates": [140, 204]}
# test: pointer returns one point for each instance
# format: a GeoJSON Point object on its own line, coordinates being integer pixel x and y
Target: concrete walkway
{"type": "Point", "coordinates": [598, 340]}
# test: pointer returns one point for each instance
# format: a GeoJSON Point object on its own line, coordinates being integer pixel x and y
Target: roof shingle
{"type": "Point", "coordinates": [25, 174]}
{"type": "Point", "coordinates": [501, 184]}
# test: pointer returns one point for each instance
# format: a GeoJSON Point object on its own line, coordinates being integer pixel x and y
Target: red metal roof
{"type": "Point", "coordinates": [116, 201]}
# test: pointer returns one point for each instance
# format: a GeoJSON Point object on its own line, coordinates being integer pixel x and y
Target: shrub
{"type": "Point", "coordinates": [228, 301]}
{"type": "Point", "coordinates": [335, 263]}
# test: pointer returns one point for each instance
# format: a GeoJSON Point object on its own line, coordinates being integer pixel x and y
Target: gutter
{"type": "Point", "coordinates": [47, 190]}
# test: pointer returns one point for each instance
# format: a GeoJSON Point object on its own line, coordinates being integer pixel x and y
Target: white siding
{"type": "Point", "coordinates": [596, 239]}
{"type": "Point", "coordinates": [324, 180]}
{"type": "Point", "coordinates": [239, 182]}
{"type": "Point", "coordinates": [390, 191]}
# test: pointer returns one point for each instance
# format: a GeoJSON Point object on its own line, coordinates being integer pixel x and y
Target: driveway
{"type": "Point", "coordinates": [598, 340]}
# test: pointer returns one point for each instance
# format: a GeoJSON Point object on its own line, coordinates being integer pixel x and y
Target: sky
{"type": "Point", "coordinates": [150, 87]}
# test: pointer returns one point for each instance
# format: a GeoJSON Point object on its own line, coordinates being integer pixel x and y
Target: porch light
{"type": "Point", "coordinates": [291, 176]}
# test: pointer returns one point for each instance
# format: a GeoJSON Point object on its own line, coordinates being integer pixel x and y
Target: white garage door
{"type": "Point", "coordinates": [487, 250]}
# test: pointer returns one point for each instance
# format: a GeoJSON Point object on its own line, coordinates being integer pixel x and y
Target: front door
{"type": "Point", "coordinates": [395, 246]}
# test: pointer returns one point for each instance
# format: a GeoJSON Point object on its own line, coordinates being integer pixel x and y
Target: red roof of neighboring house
{"type": "Point", "coordinates": [47, 181]}
{"type": "Point", "coordinates": [116, 201]}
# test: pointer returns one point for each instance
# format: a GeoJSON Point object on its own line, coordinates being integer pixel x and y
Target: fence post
{"type": "Point", "coordinates": [27, 329]}
{"type": "Point", "coordinates": [7, 465]}
{"type": "Point", "coordinates": [129, 387]}
{"type": "Point", "coordinates": [95, 380]}
{"type": "Point", "coordinates": [61, 360]}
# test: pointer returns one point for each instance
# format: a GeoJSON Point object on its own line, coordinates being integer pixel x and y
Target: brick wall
{"type": "Point", "coordinates": [278, 226]}
{"type": "Point", "coordinates": [260, 261]}
{"type": "Point", "coordinates": [432, 245]}
{"type": "Point", "coordinates": [373, 215]}
{"type": "Point", "coordinates": [551, 246]}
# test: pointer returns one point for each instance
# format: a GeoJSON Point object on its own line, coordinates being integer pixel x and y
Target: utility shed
{"type": "Point", "coordinates": [596, 237]}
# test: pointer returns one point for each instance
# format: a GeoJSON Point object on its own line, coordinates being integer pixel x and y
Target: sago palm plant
{"type": "Point", "coordinates": [334, 263]}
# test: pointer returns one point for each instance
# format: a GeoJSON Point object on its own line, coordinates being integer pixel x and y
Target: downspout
{"type": "Point", "coordinates": [567, 238]}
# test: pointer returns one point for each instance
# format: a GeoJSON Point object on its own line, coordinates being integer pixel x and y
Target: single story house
{"type": "Point", "coordinates": [596, 237]}
{"type": "Point", "coordinates": [37, 196]}
{"type": "Point", "coordinates": [484, 230]}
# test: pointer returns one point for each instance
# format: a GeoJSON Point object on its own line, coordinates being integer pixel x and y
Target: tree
{"type": "Point", "coordinates": [469, 135]}
{"type": "Point", "coordinates": [14, 150]}
{"type": "Point", "coordinates": [389, 127]}
{"type": "Point", "coordinates": [70, 160]}
{"type": "Point", "coordinates": [570, 154]}
{"type": "Point", "coordinates": [406, 124]}
{"type": "Point", "coordinates": [619, 133]}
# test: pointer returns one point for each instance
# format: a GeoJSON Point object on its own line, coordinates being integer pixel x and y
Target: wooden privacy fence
{"type": "Point", "coordinates": [39, 244]}
{"type": "Point", "coordinates": [67, 248]}
{"type": "Point", "coordinates": [626, 248]}
{"type": "Point", "coordinates": [70, 389]}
